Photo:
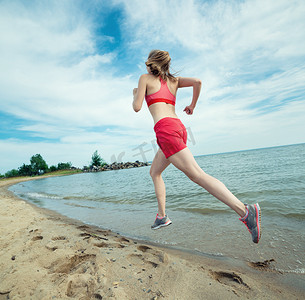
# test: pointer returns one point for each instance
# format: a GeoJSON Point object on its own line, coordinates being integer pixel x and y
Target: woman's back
{"type": "Point", "coordinates": [161, 109]}
{"type": "Point", "coordinates": [154, 85]}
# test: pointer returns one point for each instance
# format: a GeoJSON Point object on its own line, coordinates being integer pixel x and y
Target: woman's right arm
{"type": "Point", "coordinates": [196, 84]}
{"type": "Point", "coordinates": [139, 93]}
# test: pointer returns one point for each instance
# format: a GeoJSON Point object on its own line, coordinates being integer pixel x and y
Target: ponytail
{"type": "Point", "coordinates": [159, 62]}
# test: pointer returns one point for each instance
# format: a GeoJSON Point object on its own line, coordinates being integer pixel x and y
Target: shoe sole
{"type": "Point", "coordinates": [162, 225]}
{"type": "Point", "coordinates": [259, 214]}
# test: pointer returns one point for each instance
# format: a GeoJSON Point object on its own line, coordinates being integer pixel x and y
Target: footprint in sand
{"type": "Point", "coordinates": [149, 256]}
{"type": "Point", "coordinates": [231, 279]}
{"type": "Point", "coordinates": [104, 232]}
{"type": "Point", "coordinates": [37, 238]}
{"type": "Point", "coordinates": [52, 248]}
{"type": "Point", "coordinates": [75, 264]}
{"type": "Point", "coordinates": [123, 240]}
{"type": "Point", "coordinates": [81, 286]}
{"type": "Point", "coordinates": [59, 238]}
{"type": "Point", "coordinates": [162, 256]}
{"type": "Point", "coordinates": [87, 236]}
{"type": "Point", "coordinates": [101, 245]}
{"type": "Point", "coordinates": [109, 245]}
{"type": "Point", "coordinates": [144, 248]}
{"type": "Point", "coordinates": [91, 231]}
{"type": "Point", "coordinates": [83, 227]}
{"type": "Point", "coordinates": [141, 259]}
{"type": "Point", "coordinates": [52, 245]}
{"type": "Point", "coordinates": [264, 265]}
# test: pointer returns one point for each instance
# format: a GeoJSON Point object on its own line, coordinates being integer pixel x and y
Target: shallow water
{"type": "Point", "coordinates": [124, 201]}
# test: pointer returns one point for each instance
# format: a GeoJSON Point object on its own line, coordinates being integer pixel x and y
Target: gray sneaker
{"type": "Point", "coordinates": [161, 222]}
{"type": "Point", "coordinates": [252, 220]}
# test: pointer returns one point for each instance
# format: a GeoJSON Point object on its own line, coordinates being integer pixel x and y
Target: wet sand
{"type": "Point", "coordinates": [44, 255]}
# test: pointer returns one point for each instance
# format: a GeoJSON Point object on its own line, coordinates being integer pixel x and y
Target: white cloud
{"type": "Point", "coordinates": [53, 73]}
{"type": "Point", "coordinates": [249, 54]}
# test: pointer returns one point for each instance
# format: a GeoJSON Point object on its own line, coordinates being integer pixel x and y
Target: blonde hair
{"type": "Point", "coordinates": [159, 62]}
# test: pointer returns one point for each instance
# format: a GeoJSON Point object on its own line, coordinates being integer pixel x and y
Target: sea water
{"type": "Point", "coordinates": [124, 201]}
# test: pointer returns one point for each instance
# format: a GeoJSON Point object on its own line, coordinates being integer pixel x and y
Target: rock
{"type": "Point", "coordinates": [116, 166]}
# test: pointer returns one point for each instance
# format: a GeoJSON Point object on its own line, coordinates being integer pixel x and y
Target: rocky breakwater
{"type": "Point", "coordinates": [116, 166]}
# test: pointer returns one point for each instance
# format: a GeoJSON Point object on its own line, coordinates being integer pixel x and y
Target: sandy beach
{"type": "Point", "coordinates": [44, 255]}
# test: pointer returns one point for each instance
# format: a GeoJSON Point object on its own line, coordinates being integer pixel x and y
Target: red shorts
{"type": "Point", "coordinates": [171, 135]}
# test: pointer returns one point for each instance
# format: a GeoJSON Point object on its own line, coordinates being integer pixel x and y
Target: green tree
{"type": "Point", "coordinates": [25, 170]}
{"type": "Point", "coordinates": [96, 160]}
{"type": "Point", "coordinates": [38, 164]}
{"type": "Point", "coordinates": [11, 173]}
{"type": "Point", "coordinates": [53, 169]}
{"type": "Point", "coordinates": [64, 166]}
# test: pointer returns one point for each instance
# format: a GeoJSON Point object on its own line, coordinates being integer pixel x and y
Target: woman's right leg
{"type": "Point", "coordinates": [159, 164]}
{"type": "Point", "coordinates": [185, 161]}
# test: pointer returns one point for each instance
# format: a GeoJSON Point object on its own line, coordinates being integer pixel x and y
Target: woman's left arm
{"type": "Point", "coordinates": [139, 93]}
{"type": "Point", "coordinates": [196, 84]}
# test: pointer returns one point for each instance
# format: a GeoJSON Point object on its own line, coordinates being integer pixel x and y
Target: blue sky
{"type": "Point", "coordinates": [68, 69]}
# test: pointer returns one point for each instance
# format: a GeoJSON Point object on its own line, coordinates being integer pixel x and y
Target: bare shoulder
{"type": "Point", "coordinates": [151, 77]}
{"type": "Point", "coordinates": [173, 82]}
{"type": "Point", "coordinates": [144, 80]}
{"type": "Point", "coordinates": [144, 77]}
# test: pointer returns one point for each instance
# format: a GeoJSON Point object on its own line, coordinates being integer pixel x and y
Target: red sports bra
{"type": "Point", "coordinates": [163, 95]}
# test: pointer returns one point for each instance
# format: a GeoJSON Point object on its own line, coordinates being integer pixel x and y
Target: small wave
{"type": "Point", "coordinates": [166, 243]}
{"type": "Point", "coordinates": [78, 205]}
{"type": "Point", "coordinates": [281, 213]}
{"type": "Point", "coordinates": [73, 197]}
{"type": "Point", "coordinates": [296, 271]}
{"type": "Point", "coordinates": [217, 254]}
{"type": "Point", "coordinates": [109, 199]}
{"type": "Point", "coordinates": [295, 215]}
{"type": "Point", "coordinates": [204, 211]}
{"type": "Point", "coordinates": [35, 196]}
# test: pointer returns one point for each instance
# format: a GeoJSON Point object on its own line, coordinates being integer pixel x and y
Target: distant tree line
{"type": "Point", "coordinates": [38, 166]}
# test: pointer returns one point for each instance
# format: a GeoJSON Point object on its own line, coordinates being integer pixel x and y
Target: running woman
{"type": "Point", "coordinates": [159, 88]}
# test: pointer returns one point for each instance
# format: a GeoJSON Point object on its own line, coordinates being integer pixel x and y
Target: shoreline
{"type": "Point", "coordinates": [45, 255]}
